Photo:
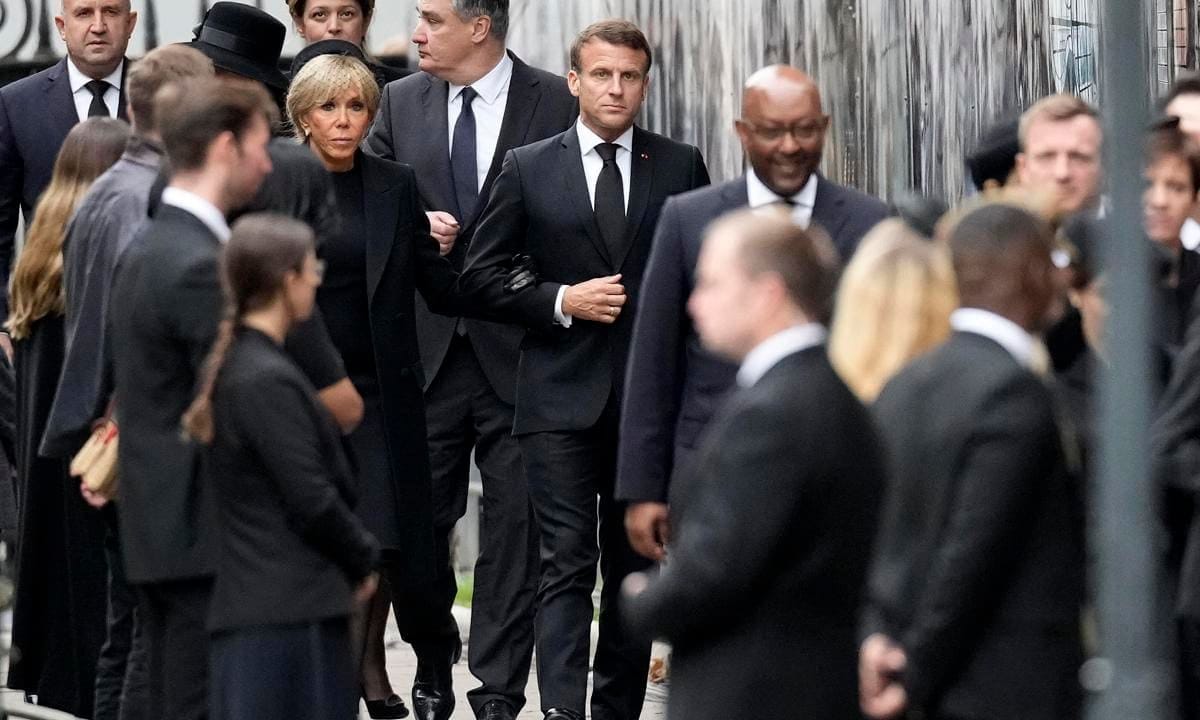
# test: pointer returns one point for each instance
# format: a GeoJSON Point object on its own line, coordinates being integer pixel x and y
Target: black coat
{"type": "Point", "coordinates": [773, 529]}
{"type": "Point", "coordinates": [673, 385]}
{"type": "Point", "coordinates": [290, 547]}
{"type": "Point", "coordinates": [36, 113]}
{"type": "Point", "coordinates": [979, 566]}
{"type": "Point", "coordinates": [540, 206]}
{"type": "Point", "coordinates": [61, 572]}
{"type": "Point", "coordinates": [401, 259]}
{"type": "Point", "coordinates": [411, 128]}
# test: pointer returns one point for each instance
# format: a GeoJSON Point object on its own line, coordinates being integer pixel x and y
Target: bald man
{"type": "Point", "coordinates": [674, 385]}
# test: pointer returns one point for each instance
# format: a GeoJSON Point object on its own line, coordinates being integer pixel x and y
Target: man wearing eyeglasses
{"type": "Point", "coordinates": [671, 394]}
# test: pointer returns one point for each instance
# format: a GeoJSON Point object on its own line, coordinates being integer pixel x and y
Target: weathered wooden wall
{"type": "Point", "coordinates": [909, 83]}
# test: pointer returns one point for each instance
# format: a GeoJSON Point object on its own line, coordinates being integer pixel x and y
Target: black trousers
{"type": "Point", "coordinates": [568, 472]}
{"type": "Point", "coordinates": [121, 692]}
{"type": "Point", "coordinates": [174, 615]}
{"type": "Point", "coordinates": [463, 412]}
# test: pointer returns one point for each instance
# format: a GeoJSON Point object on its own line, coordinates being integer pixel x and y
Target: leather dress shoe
{"type": "Point", "coordinates": [433, 689]}
{"type": "Point", "coordinates": [496, 710]}
{"type": "Point", "coordinates": [562, 714]}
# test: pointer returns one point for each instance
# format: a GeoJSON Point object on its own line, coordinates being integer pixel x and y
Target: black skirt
{"type": "Point", "coordinates": [289, 672]}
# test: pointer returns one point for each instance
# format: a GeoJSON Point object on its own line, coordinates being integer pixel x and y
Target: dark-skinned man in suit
{"type": "Point", "coordinates": [672, 392]}
{"type": "Point", "coordinates": [583, 205]}
{"type": "Point", "coordinates": [36, 113]}
{"type": "Point", "coordinates": [776, 515]}
{"type": "Point", "coordinates": [456, 147]}
{"type": "Point", "coordinates": [977, 581]}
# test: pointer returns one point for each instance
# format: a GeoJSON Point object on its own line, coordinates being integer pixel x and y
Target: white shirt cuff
{"type": "Point", "coordinates": [559, 316]}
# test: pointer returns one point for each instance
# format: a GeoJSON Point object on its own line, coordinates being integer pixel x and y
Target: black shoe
{"type": "Point", "coordinates": [433, 688]}
{"type": "Point", "coordinates": [562, 714]}
{"type": "Point", "coordinates": [390, 708]}
{"type": "Point", "coordinates": [430, 703]}
{"type": "Point", "coordinates": [496, 710]}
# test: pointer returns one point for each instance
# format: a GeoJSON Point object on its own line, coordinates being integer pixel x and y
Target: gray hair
{"type": "Point", "coordinates": [497, 10]}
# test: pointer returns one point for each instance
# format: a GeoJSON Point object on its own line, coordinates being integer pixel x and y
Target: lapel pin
{"type": "Point", "coordinates": [645, 156]}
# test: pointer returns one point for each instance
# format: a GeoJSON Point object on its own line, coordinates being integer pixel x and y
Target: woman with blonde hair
{"type": "Point", "coordinates": [58, 621]}
{"type": "Point", "coordinates": [894, 303]}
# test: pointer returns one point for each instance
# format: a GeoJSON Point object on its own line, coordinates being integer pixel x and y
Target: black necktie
{"type": "Point", "coordinates": [97, 88]}
{"type": "Point", "coordinates": [610, 201]}
{"type": "Point", "coordinates": [463, 165]}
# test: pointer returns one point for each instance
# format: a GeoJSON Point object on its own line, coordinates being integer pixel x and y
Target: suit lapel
{"type": "Point", "coordinates": [63, 116]}
{"type": "Point", "coordinates": [641, 167]}
{"type": "Point", "coordinates": [735, 194]}
{"type": "Point", "coordinates": [575, 183]}
{"type": "Point", "coordinates": [380, 207]}
{"type": "Point", "coordinates": [436, 148]}
{"type": "Point", "coordinates": [829, 207]}
{"type": "Point", "coordinates": [523, 98]}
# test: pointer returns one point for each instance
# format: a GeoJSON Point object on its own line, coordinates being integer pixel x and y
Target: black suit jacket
{"type": "Point", "coordinates": [36, 113]}
{"type": "Point", "coordinates": [401, 259]}
{"type": "Point", "coordinates": [166, 304]}
{"type": "Point", "coordinates": [978, 571]}
{"type": "Point", "coordinates": [290, 547]}
{"type": "Point", "coordinates": [412, 129]}
{"type": "Point", "coordinates": [773, 529]}
{"type": "Point", "coordinates": [674, 386]}
{"type": "Point", "coordinates": [540, 205]}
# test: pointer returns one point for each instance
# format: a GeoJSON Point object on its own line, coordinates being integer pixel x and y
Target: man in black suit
{"type": "Point", "coordinates": [471, 365]}
{"type": "Point", "coordinates": [775, 521]}
{"type": "Point", "coordinates": [166, 306]}
{"type": "Point", "coordinates": [583, 205]}
{"type": "Point", "coordinates": [36, 113]}
{"type": "Point", "coordinates": [674, 385]}
{"type": "Point", "coordinates": [975, 592]}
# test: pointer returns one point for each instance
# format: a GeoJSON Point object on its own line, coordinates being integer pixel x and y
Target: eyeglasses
{"type": "Point", "coordinates": [800, 131]}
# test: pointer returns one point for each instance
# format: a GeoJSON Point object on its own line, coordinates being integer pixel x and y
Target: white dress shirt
{"type": "Point", "coordinates": [1189, 235]}
{"type": "Point", "coordinates": [769, 352]}
{"type": "Point", "coordinates": [83, 96]}
{"type": "Point", "coordinates": [488, 108]}
{"type": "Point", "coordinates": [1026, 349]}
{"type": "Point", "coordinates": [592, 165]}
{"type": "Point", "coordinates": [205, 211]}
{"type": "Point", "coordinates": [760, 195]}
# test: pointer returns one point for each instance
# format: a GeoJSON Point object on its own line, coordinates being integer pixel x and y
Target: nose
{"type": "Point", "coordinates": [789, 144]}
{"type": "Point", "coordinates": [1062, 168]}
{"type": "Point", "coordinates": [419, 34]}
{"type": "Point", "coordinates": [1157, 196]}
{"type": "Point", "coordinates": [335, 26]}
{"type": "Point", "coordinates": [98, 26]}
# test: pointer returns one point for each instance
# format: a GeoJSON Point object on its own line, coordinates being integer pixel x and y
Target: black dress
{"type": "Point", "coordinates": [58, 620]}
{"type": "Point", "coordinates": [343, 301]}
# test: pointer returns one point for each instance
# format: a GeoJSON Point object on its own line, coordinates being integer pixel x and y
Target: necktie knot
{"type": "Point", "coordinates": [97, 88]}
{"type": "Point", "coordinates": [607, 151]}
{"type": "Point", "coordinates": [468, 96]}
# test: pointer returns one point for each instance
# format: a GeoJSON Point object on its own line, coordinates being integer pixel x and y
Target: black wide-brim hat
{"type": "Point", "coordinates": [243, 40]}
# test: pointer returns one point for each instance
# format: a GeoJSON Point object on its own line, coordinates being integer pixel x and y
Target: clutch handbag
{"type": "Point", "coordinates": [96, 462]}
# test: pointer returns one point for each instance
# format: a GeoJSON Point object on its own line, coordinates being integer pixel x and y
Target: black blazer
{"type": "Point", "coordinates": [36, 113]}
{"type": "Point", "coordinates": [166, 304]}
{"type": "Point", "coordinates": [540, 205]}
{"type": "Point", "coordinates": [773, 529]}
{"type": "Point", "coordinates": [978, 571]}
{"type": "Point", "coordinates": [411, 128]}
{"type": "Point", "coordinates": [289, 547]}
{"type": "Point", "coordinates": [674, 386]}
{"type": "Point", "coordinates": [402, 258]}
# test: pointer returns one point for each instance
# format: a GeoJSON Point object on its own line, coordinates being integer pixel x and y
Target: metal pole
{"type": "Point", "coordinates": [1136, 677]}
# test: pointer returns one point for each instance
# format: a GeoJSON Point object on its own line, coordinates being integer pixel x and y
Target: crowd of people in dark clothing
{"type": "Point", "coordinates": [837, 454]}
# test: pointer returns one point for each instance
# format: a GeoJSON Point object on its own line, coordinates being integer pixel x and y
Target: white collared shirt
{"type": "Point", "coordinates": [769, 352]}
{"type": "Point", "coordinates": [83, 97]}
{"type": "Point", "coordinates": [1189, 235]}
{"type": "Point", "coordinates": [207, 213]}
{"type": "Point", "coordinates": [1009, 335]}
{"type": "Point", "coordinates": [488, 109]}
{"type": "Point", "coordinates": [593, 164]}
{"type": "Point", "coordinates": [803, 202]}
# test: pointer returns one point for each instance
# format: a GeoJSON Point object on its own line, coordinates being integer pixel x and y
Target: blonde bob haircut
{"type": "Point", "coordinates": [893, 304]}
{"type": "Point", "coordinates": [324, 78]}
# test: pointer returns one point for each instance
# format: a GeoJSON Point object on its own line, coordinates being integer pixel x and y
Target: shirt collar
{"type": "Point", "coordinates": [78, 79]}
{"type": "Point", "coordinates": [489, 86]}
{"type": "Point", "coordinates": [769, 352]}
{"type": "Point", "coordinates": [205, 211]}
{"type": "Point", "coordinates": [588, 140]}
{"type": "Point", "coordinates": [759, 194]}
{"type": "Point", "coordinates": [1009, 335]}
